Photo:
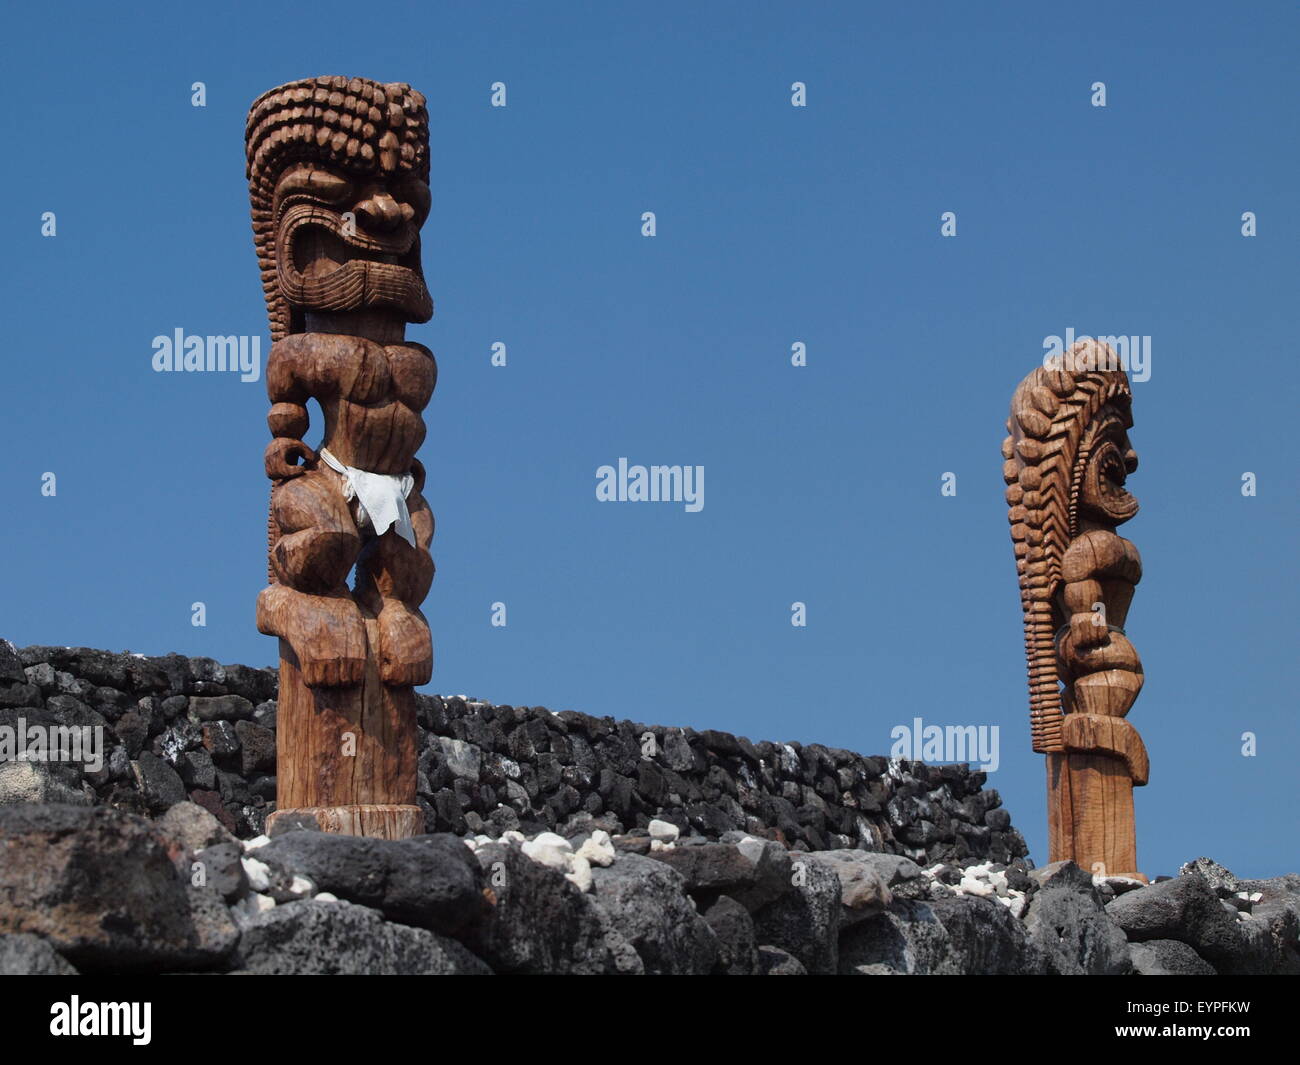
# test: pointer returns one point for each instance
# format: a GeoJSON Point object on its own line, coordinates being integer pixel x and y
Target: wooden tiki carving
{"type": "Point", "coordinates": [1067, 459]}
{"type": "Point", "coordinates": [338, 176]}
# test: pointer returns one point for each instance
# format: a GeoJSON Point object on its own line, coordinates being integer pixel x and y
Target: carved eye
{"type": "Point", "coordinates": [314, 182]}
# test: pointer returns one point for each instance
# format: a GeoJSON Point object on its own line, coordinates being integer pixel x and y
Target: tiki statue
{"type": "Point", "coordinates": [338, 176]}
{"type": "Point", "coordinates": [1067, 461]}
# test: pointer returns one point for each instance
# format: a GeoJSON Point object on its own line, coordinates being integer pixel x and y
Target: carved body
{"type": "Point", "coordinates": [1067, 460]}
{"type": "Point", "coordinates": [371, 396]}
{"type": "Point", "coordinates": [338, 173]}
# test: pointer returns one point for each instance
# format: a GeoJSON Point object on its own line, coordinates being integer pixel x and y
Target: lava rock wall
{"type": "Point", "coordinates": [178, 728]}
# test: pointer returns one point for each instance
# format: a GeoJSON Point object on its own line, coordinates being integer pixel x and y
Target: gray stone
{"type": "Point", "coordinates": [1219, 878]}
{"type": "Point", "coordinates": [1067, 922]}
{"type": "Point", "coordinates": [101, 668]}
{"type": "Point", "coordinates": [33, 782]}
{"type": "Point", "coordinates": [159, 784]}
{"type": "Point", "coordinates": [1119, 885]}
{"type": "Point", "coordinates": [894, 869]}
{"type": "Point", "coordinates": [806, 921]}
{"type": "Point", "coordinates": [175, 741]}
{"type": "Point", "coordinates": [646, 901]}
{"type": "Point", "coordinates": [67, 710]}
{"type": "Point", "coordinates": [99, 884]}
{"type": "Point", "coordinates": [11, 664]}
{"type": "Point", "coordinates": [197, 770]}
{"type": "Point", "coordinates": [1167, 957]}
{"type": "Point", "coordinates": [1273, 930]}
{"type": "Point", "coordinates": [986, 939]}
{"type": "Point", "coordinates": [172, 706]}
{"type": "Point", "coordinates": [429, 881]}
{"type": "Point", "coordinates": [734, 928]}
{"type": "Point", "coordinates": [220, 739]}
{"type": "Point", "coordinates": [193, 827]}
{"type": "Point", "coordinates": [711, 867]}
{"type": "Point", "coordinates": [906, 939]}
{"type": "Point", "coordinates": [223, 869]}
{"type": "Point", "coordinates": [20, 695]}
{"type": "Point", "coordinates": [214, 927]}
{"type": "Point", "coordinates": [678, 755]}
{"type": "Point", "coordinates": [773, 961]}
{"type": "Point", "coordinates": [1186, 909]}
{"type": "Point", "coordinates": [773, 872]}
{"type": "Point", "coordinates": [754, 872]}
{"type": "Point", "coordinates": [256, 685]}
{"type": "Point", "coordinates": [327, 938]}
{"type": "Point", "coordinates": [862, 875]}
{"type": "Point", "coordinates": [256, 747]}
{"type": "Point", "coordinates": [220, 707]}
{"type": "Point", "coordinates": [538, 922]}
{"type": "Point", "coordinates": [119, 763]}
{"type": "Point", "coordinates": [132, 729]}
{"type": "Point", "coordinates": [45, 677]}
{"type": "Point", "coordinates": [1066, 875]}
{"type": "Point", "coordinates": [28, 955]}
{"type": "Point", "coordinates": [464, 760]}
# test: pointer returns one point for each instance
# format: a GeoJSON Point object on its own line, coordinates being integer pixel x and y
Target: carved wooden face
{"type": "Point", "coordinates": [1111, 458]}
{"type": "Point", "coordinates": [370, 259]}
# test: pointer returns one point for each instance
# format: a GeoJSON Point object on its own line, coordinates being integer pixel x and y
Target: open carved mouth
{"type": "Point", "coordinates": [1110, 474]}
{"type": "Point", "coordinates": [1112, 470]}
{"type": "Point", "coordinates": [317, 250]}
{"type": "Point", "coordinates": [323, 265]}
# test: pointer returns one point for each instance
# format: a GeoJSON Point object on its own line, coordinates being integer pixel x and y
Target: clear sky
{"type": "Point", "coordinates": [775, 225]}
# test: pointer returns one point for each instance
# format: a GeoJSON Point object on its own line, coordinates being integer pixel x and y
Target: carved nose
{"type": "Point", "coordinates": [1130, 460]}
{"type": "Point", "coordinates": [380, 211]}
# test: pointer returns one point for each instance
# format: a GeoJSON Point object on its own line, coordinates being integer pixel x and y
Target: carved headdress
{"type": "Point", "coordinates": [1059, 413]}
{"type": "Point", "coordinates": [353, 125]}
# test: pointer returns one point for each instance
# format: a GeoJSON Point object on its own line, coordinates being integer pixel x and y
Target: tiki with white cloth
{"type": "Point", "coordinates": [338, 176]}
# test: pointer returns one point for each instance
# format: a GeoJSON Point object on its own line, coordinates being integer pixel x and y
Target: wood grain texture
{"type": "Point", "coordinates": [1090, 814]}
{"type": "Point", "coordinates": [1099, 734]}
{"type": "Point", "coordinates": [338, 172]}
{"type": "Point", "coordinates": [379, 821]}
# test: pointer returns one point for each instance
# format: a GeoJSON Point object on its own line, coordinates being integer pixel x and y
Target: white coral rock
{"type": "Point", "coordinates": [580, 875]}
{"type": "Point", "coordinates": [302, 887]}
{"type": "Point", "coordinates": [664, 831]}
{"type": "Point", "coordinates": [551, 850]}
{"type": "Point", "coordinates": [598, 848]}
{"type": "Point", "coordinates": [258, 873]}
{"type": "Point", "coordinates": [970, 886]}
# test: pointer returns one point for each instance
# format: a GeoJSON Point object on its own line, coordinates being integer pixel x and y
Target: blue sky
{"type": "Point", "coordinates": [775, 224]}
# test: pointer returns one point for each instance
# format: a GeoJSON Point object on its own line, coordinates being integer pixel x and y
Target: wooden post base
{"type": "Point", "coordinates": [380, 820]}
{"type": "Point", "coordinates": [1090, 813]}
{"type": "Point", "coordinates": [347, 756]}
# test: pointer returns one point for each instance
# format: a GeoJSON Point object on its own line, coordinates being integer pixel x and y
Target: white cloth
{"type": "Point", "coordinates": [381, 497]}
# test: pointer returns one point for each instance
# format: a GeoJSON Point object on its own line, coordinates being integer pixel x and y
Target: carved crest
{"type": "Point", "coordinates": [1064, 415]}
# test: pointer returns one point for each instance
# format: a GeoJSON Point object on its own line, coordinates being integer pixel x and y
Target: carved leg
{"type": "Point", "coordinates": [392, 580]}
{"type": "Point", "coordinates": [310, 607]}
{"type": "Point", "coordinates": [347, 753]}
